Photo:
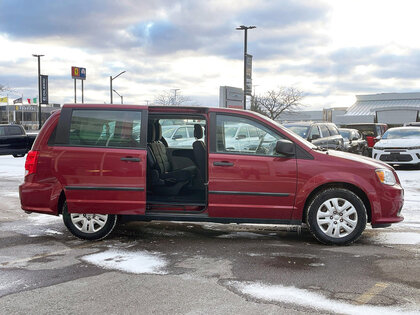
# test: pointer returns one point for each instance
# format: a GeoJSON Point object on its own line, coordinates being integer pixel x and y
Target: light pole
{"type": "Point", "coordinates": [174, 100]}
{"type": "Point", "coordinates": [119, 96]}
{"type": "Point", "coordinates": [245, 28]}
{"type": "Point", "coordinates": [110, 82]}
{"type": "Point", "coordinates": [39, 90]}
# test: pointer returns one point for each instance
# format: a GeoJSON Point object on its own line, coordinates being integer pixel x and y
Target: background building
{"type": "Point", "coordinates": [25, 115]}
{"type": "Point", "coordinates": [393, 109]}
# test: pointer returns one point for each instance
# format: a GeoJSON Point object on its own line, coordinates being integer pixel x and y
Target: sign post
{"type": "Point", "coordinates": [78, 73]}
{"type": "Point", "coordinates": [44, 89]}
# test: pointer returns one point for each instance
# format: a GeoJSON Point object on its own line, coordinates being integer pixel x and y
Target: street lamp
{"type": "Point", "coordinates": [39, 90]}
{"type": "Point", "coordinates": [119, 96]}
{"type": "Point", "coordinates": [174, 99]}
{"type": "Point", "coordinates": [110, 82]}
{"type": "Point", "coordinates": [245, 28]}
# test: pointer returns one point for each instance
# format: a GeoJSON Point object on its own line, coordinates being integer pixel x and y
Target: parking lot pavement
{"type": "Point", "coordinates": [166, 267]}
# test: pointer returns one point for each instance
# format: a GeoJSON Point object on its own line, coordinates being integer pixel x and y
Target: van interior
{"type": "Point", "coordinates": [176, 163]}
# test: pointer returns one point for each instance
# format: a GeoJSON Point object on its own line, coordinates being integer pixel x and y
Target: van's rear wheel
{"type": "Point", "coordinates": [336, 216]}
{"type": "Point", "coordinates": [89, 226]}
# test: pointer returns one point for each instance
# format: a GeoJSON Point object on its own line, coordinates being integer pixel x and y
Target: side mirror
{"type": "Point", "coordinates": [313, 137]}
{"type": "Point", "coordinates": [354, 138]}
{"type": "Point", "coordinates": [285, 147]}
{"type": "Point", "coordinates": [176, 137]}
{"type": "Point", "coordinates": [239, 137]}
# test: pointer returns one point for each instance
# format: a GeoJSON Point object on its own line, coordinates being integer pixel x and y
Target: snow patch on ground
{"type": "Point", "coordinates": [131, 262]}
{"type": "Point", "coordinates": [43, 219]}
{"type": "Point", "coordinates": [398, 238]}
{"type": "Point", "coordinates": [306, 298]}
{"type": "Point", "coordinates": [410, 181]}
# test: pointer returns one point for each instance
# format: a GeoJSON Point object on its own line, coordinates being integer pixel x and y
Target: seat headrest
{"type": "Point", "coordinates": [151, 132]}
{"type": "Point", "coordinates": [198, 131]}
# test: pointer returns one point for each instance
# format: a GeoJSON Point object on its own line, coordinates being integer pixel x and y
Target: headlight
{"type": "Point", "coordinates": [386, 176]}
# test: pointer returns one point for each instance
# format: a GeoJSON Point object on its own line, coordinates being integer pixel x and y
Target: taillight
{"type": "Point", "coordinates": [31, 162]}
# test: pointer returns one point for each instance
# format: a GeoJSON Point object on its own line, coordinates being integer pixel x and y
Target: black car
{"type": "Point", "coordinates": [372, 132]}
{"type": "Point", "coordinates": [321, 134]}
{"type": "Point", "coordinates": [14, 140]}
{"type": "Point", "coordinates": [353, 141]}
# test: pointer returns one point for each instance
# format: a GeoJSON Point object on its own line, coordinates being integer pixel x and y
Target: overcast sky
{"type": "Point", "coordinates": [331, 50]}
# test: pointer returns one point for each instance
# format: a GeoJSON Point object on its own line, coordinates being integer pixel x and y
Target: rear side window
{"type": "Point", "coordinates": [105, 128]}
{"type": "Point", "coordinates": [14, 131]}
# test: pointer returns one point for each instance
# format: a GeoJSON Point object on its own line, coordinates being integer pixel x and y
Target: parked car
{"type": "Point", "coordinates": [95, 182]}
{"type": "Point", "coordinates": [399, 146]}
{"type": "Point", "coordinates": [323, 135]}
{"type": "Point", "coordinates": [178, 135]}
{"type": "Point", "coordinates": [372, 132]}
{"type": "Point", "coordinates": [353, 141]}
{"type": "Point", "coordinates": [14, 140]}
{"type": "Point", "coordinates": [412, 124]}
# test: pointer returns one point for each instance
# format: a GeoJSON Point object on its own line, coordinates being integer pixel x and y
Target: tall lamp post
{"type": "Point", "coordinates": [110, 83]}
{"type": "Point", "coordinates": [245, 28]}
{"type": "Point", "coordinates": [39, 89]}
{"type": "Point", "coordinates": [174, 99]}
{"type": "Point", "coordinates": [119, 96]}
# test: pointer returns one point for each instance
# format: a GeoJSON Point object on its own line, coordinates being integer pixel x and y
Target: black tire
{"type": "Point", "coordinates": [340, 224]}
{"type": "Point", "coordinates": [365, 152]}
{"type": "Point", "coordinates": [99, 231]}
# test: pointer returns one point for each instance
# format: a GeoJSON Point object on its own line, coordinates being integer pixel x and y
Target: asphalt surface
{"type": "Point", "coordinates": [43, 270]}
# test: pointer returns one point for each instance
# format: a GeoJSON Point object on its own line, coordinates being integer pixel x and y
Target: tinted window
{"type": "Point", "coordinates": [324, 131]}
{"type": "Point", "coordinates": [105, 128]}
{"type": "Point", "coordinates": [2, 131]}
{"type": "Point", "coordinates": [228, 141]}
{"type": "Point", "coordinates": [14, 131]}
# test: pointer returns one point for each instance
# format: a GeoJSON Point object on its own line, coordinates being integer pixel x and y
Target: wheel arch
{"type": "Point", "coordinates": [353, 188]}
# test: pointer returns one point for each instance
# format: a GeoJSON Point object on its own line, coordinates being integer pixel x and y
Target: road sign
{"type": "Point", "coordinates": [248, 90]}
{"type": "Point", "coordinates": [78, 73]}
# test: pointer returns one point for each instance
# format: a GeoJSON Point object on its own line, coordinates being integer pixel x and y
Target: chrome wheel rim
{"type": "Point", "coordinates": [89, 223]}
{"type": "Point", "coordinates": [337, 217]}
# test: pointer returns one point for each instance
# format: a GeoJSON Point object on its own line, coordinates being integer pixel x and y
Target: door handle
{"type": "Point", "coordinates": [223, 163]}
{"type": "Point", "coordinates": [130, 159]}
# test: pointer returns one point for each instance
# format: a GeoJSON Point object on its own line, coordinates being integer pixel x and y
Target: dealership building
{"type": "Point", "coordinates": [393, 109]}
{"type": "Point", "coordinates": [25, 115]}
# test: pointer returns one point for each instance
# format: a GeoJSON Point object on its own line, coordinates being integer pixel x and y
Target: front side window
{"type": "Point", "coordinates": [105, 128]}
{"type": "Point", "coordinates": [314, 133]}
{"type": "Point", "coordinates": [232, 136]}
{"type": "Point", "coordinates": [324, 131]}
{"type": "Point", "coordinates": [14, 131]}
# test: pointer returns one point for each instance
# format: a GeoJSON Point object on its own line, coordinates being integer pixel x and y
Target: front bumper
{"type": "Point", "coordinates": [397, 156]}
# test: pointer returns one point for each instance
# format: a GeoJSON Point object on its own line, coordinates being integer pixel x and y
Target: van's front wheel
{"type": "Point", "coordinates": [336, 216]}
{"type": "Point", "coordinates": [89, 226]}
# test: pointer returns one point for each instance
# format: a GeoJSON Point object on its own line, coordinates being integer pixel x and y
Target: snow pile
{"type": "Point", "coordinates": [305, 298]}
{"type": "Point", "coordinates": [13, 168]}
{"type": "Point", "coordinates": [131, 262]}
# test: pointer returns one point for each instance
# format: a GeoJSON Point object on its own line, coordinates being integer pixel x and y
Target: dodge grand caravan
{"type": "Point", "coordinates": [96, 164]}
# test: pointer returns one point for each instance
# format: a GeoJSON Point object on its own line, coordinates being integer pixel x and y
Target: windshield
{"type": "Point", "coordinates": [230, 131]}
{"type": "Point", "coordinates": [167, 131]}
{"type": "Point", "coordinates": [409, 133]}
{"type": "Point", "coordinates": [345, 134]}
{"type": "Point", "coordinates": [300, 130]}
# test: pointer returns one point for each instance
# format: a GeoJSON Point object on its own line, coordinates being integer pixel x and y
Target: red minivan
{"type": "Point", "coordinates": [96, 164]}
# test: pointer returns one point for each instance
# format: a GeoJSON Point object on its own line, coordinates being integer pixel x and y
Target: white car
{"type": "Point", "coordinates": [399, 146]}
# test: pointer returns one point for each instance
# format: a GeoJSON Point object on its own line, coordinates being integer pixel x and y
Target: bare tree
{"type": "Point", "coordinates": [168, 98]}
{"type": "Point", "coordinates": [275, 102]}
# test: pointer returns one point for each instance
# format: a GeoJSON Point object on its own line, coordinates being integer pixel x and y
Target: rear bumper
{"type": "Point", "coordinates": [39, 197]}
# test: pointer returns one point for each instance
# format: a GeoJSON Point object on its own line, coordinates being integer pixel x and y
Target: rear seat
{"type": "Point", "coordinates": [163, 179]}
